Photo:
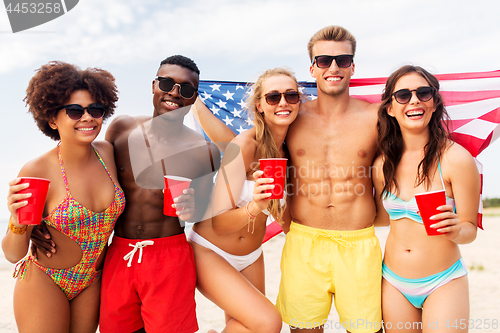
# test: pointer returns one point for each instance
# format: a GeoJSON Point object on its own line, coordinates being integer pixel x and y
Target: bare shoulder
{"type": "Point", "coordinates": [40, 166]}
{"type": "Point", "coordinates": [455, 155]}
{"type": "Point", "coordinates": [105, 149]}
{"type": "Point", "coordinates": [246, 143]}
{"type": "Point", "coordinates": [307, 107]}
{"type": "Point", "coordinates": [367, 108]}
{"type": "Point", "coordinates": [123, 124]}
{"type": "Point", "coordinates": [457, 161]}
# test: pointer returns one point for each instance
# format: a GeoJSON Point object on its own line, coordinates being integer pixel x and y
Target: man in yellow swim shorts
{"type": "Point", "coordinates": [331, 248]}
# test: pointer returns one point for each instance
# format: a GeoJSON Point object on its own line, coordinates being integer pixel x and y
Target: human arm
{"type": "Point", "coordinates": [215, 129]}
{"type": "Point", "coordinates": [184, 205]}
{"type": "Point", "coordinates": [382, 218]}
{"type": "Point", "coordinates": [42, 240]}
{"type": "Point", "coordinates": [236, 163]}
{"type": "Point", "coordinates": [15, 245]}
{"type": "Point", "coordinates": [287, 216]}
{"type": "Point", "coordinates": [459, 171]}
{"type": "Point", "coordinates": [115, 128]}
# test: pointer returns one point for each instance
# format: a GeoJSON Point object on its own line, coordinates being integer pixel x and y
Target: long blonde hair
{"type": "Point", "coordinates": [266, 148]}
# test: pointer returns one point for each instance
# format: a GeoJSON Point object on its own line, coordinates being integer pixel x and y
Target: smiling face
{"type": "Point", "coordinates": [415, 114]}
{"type": "Point", "coordinates": [283, 113]}
{"type": "Point", "coordinates": [333, 80]}
{"type": "Point", "coordinates": [84, 130]}
{"type": "Point", "coordinates": [164, 102]}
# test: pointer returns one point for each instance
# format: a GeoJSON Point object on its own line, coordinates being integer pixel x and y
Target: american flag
{"type": "Point", "coordinates": [471, 99]}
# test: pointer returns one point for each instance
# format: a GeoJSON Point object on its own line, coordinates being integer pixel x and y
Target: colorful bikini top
{"type": "Point", "coordinates": [89, 229]}
{"type": "Point", "coordinates": [398, 208]}
{"type": "Point", "coordinates": [247, 195]}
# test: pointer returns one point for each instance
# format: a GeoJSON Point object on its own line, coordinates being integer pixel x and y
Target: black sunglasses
{"type": "Point", "coordinates": [325, 61]}
{"type": "Point", "coordinates": [167, 84]}
{"type": "Point", "coordinates": [76, 111]}
{"type": "Point", "coordinates": [424, 94]}
{"type": "Point", "coordinates": [291, 97]}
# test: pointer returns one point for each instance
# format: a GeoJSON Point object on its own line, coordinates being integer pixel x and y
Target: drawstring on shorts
{"type": "Point", "coordinates": [335, 238]}
{"type": "Point", "coordinates": [138, 246]}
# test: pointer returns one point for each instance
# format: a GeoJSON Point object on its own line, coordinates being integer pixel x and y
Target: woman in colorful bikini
{"type": "Point", "coordinates": [61, 293]}
{"type": "Point", "coordinates": [425, 285]}
{"type": "Point", "coordinates": [228, 248]}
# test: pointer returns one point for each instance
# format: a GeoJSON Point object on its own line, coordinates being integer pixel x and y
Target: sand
{"type": "Point", "coordinates": [482, 258]}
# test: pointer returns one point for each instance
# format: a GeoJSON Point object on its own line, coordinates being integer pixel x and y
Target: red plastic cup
{"type": "Point", "coordinates": [174, 185]}
{"type": "Point", "coordinates": [428, 203]}
{"type": "Point", "coordinates": [275, 168]}
{"type": "Point", "coordinates": [33, 211]}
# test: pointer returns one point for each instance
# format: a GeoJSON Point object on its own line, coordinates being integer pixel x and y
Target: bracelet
{"type": "Point", "coordinates": [251, 218]}
{"type": "Point", "coordinates": [17, 230]}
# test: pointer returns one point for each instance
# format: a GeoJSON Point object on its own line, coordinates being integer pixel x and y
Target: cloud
{"type": "Point", "coordinates": [235, 33]}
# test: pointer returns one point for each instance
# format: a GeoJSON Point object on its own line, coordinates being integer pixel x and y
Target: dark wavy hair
{"type": "Point", "coordinates": [53, 84]}
{"type": "Point", "coordinates": [390, 140]}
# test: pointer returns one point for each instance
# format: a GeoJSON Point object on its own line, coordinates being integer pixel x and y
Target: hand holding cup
{"type": "Point", "coordinates": [26, 199]}
{"type": "Point", "coordinates": [275, 168]}
{"type": "Point", "coordinates": [184, 204]}
{"type": "Point", "coordinates": [16, 200]}
{"type": "Point", "coordinates": [174, 188]}
{"type": "Point", "coordinates": [261, 194]}
{"type": "Point", "coordinates": [446, 222]}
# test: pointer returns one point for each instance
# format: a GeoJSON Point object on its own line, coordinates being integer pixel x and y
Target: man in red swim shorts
{"type": "Point", "coordinates": [149, 275]}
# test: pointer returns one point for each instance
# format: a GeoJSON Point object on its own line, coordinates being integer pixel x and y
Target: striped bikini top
{"type": "Point", "coordinates": [89, 229]}
{"type": "Point", "coordinates": [398, 208]}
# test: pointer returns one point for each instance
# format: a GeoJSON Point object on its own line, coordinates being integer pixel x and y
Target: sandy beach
{"type": "Point", "coordinates": [481, 257]}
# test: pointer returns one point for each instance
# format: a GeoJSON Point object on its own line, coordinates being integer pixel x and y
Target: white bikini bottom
{"type": "Point", "coordinates": [238, 262]}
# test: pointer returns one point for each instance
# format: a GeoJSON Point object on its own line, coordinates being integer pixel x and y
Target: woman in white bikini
{"type": "Point", "coordinates": [228, 248]}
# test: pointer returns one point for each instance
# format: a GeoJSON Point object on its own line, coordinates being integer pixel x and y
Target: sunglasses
{"type": "Point", "coordinates": [76, 111]}
{"type": "Point", "coordinates": [325, 61]}
{"type": "Point", "coordinates": [424, 94]}
{"type": "Point", "coordinates": [291, 97]}
{"type": "Point", "coordinates": [167, 84]}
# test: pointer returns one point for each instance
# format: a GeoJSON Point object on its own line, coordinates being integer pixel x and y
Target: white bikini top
{"type": "Point", "coordinates": [247, 195]}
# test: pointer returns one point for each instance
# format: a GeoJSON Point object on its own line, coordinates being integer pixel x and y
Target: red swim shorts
{"type": "Point", "coordinates": [153, 287]}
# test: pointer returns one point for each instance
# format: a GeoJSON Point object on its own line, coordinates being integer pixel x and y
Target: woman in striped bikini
{"type": "Point", "coordinates": [425, 284]}
{"type": "Point", "coordinates": [61, 293]}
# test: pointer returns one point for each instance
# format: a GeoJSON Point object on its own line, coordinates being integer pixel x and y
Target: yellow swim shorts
{"type": "Point", "coordinates": [317, 264]}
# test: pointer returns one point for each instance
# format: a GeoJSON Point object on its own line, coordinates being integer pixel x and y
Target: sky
{"type": "Point", "coordinates": [235, 41]}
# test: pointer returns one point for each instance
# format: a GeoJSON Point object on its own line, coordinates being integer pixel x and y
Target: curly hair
{"type": "Point", "coordinates": [390, 140]}
{"type": "Point", "coordinates": [53, 84]}
{"type": "Point", "coordinates": [182, 61]}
